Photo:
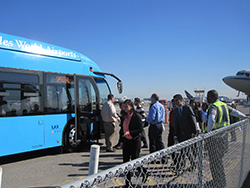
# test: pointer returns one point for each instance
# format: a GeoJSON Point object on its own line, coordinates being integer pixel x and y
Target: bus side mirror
{"type": "Point", "coordinates": [119, 87]}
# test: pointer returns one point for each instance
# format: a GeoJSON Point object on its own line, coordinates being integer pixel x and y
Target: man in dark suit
{"type": "Point", "coordinates": [184, 129]}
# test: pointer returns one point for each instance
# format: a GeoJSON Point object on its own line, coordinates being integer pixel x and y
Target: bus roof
{"type": "Point", "coordinates": [45, 51]}
{"type": "Point", "coordinates": [25, 45]}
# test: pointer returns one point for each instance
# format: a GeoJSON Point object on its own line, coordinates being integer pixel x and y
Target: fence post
{"type": "Point", "coordinates": [1, 173]}
{"type": "Point", "coordinates": [94, 159]}
{"type": "Point", "coordinates": [241, 180]}
{"type": "Point", "coordinates": [200, 161]}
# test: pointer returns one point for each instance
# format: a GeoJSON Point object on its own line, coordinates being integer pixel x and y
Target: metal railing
{"type": "Point", "coordinates": [216, 159]}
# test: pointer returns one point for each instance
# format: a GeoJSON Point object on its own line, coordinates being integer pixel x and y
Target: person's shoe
{"type": "Point", "coordinates": [144, 146]}
{"type": "Point", "coordinates": [117, 146]}
{"type": "Point", "coordinates": [110, 150]}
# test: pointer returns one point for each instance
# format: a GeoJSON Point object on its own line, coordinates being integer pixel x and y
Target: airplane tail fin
{"type": "Point", "coordinates": [188, 95]}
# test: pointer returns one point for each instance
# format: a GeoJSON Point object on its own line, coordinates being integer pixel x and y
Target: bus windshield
{"type": "Point", "coordinates": [103, 90]}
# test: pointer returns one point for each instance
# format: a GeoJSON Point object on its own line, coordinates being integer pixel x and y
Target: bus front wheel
{"type": "Point", "coordinates": [70, 143]}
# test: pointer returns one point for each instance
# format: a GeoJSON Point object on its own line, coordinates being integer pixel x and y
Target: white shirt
{"type": "Point", "coordinates": [109, 112]}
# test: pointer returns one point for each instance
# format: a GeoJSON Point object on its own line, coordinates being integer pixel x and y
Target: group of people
{"type": "Point", "coordinates": [156, 117]}
{"type": "Point", "coordinates": [185, 122]}
{"type": "Point", "coordinates": [131, 121]}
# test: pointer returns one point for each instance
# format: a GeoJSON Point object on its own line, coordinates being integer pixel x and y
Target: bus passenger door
{"type": "Point", "coordinates": [86, 108]}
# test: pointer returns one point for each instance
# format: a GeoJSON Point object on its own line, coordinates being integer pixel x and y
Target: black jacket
{"type": "Point", "coordinates": [185, 124]}
{"type": "Point", "coordinates": [135, 126]}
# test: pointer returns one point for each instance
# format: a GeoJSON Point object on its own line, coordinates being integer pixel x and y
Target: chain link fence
{"type": "Point", "coordinates": [217, 159]}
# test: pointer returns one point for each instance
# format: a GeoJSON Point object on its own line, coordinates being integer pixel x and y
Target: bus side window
{"type": "Point", "coordinates": [59, 93]}
{"type": "Point", "coordinates": [4, 108]}
{"type": "Point", "coordinates": [57, 100]}
{"type": "Point", "coordinates": [52, 100]}
{"type": "Point", "coordinates": [35, 109]}
{"type": "Point", "coordinates": [19, 99]}
{"type": "Point", "coordinates": [31, 99]}
{"type": "Point", "coordinates": [11, 97]}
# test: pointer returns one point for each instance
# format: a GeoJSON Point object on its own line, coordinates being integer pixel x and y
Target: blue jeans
{"type": "Point", "coordinates": [155, 137]}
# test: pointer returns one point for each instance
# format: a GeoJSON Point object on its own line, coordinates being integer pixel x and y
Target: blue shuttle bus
{"type": "Point", "coordinates": [49, 96]}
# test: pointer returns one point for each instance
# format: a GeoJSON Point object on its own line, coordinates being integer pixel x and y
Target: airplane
{"type": "Point", "coordinates": [240, 82]}
{"type": "Point", "coordinates": [189, 96]}
{"type": "Point", "coordinates": [225, 99]}
{"type": "Point", "coordinates": [199, 95]}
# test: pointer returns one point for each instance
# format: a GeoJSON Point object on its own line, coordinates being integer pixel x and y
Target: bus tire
{"type": "Point", "coordinates": [70, 145]}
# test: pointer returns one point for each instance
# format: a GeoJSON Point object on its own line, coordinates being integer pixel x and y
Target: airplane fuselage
{"type": "Point", "coordinates": [240, 82]}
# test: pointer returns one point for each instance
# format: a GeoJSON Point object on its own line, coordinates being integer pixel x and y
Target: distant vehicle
{"type": "Point", "coordinates": [240, 82]}
{"type": "Point", "coordinates": [49, 96]}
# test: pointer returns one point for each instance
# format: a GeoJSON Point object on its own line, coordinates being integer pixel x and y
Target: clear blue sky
{"type": "Point", "coordinates": [163, 46]}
